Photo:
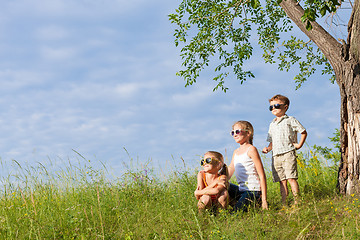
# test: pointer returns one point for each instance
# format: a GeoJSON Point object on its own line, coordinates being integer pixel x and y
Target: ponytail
{"type": "Point", "coordinates": [224, 171]}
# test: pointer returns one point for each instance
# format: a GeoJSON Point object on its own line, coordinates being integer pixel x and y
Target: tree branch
{"type": "Point", "coordinates": [330, 47]}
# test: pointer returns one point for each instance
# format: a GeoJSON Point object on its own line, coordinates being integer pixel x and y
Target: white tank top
{"type": "Point", "coordinates": [245, 172]}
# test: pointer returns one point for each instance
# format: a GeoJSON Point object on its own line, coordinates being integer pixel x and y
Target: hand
{"type": "Point", "coordinates": [297, 146]}
{"type": "Point", "coordinates": [265, 150]}
{"type": "Point", "coordinates": [197, 195]}
{"type": "Point", "coordinates": [264, 205]}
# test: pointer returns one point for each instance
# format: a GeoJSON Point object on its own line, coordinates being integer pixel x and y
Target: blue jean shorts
{"type": "Point", "coordinates": [242, 200]}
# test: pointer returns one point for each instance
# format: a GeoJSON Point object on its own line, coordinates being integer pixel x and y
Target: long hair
{"type": "Point", "coordinates": [224, 170]}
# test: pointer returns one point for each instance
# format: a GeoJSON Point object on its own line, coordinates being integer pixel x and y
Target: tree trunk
{"type": "Point", "coordinates": [349, 84]}
{"type": "Point", "coordinates": [345, 60]}
{"type": "Point", "coordinates": [348, 181]}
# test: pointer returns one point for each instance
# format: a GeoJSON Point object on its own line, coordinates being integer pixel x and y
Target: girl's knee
{"type": "Point", "coordinates": [204, 201]}
{"type": "Point", "coordinates": [224, 199]}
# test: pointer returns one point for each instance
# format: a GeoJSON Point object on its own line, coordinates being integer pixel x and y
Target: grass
{"type": "Point", "coordinates": [80, 202]}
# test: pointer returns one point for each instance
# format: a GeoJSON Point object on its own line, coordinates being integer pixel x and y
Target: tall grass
{"type": "Point", "coordinates": [82, 203]}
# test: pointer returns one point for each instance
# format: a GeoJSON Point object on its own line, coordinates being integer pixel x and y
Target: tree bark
{"type": "Point", "coordinates": [329, 46]}
{"type": "Point", "coordinates": [348, 178]}
{"type": "Point", "coordinates": [345, 60]}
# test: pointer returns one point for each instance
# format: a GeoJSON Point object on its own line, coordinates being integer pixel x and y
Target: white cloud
{"type": "Point", "coordinates": [15, 79]}
{"type": "Point", "coordinates": [127, 90]}
{"type": "Point", "coordinates": [193, 95]}
{"type": "Point", "coordinates": [58, 53]}
{"type": "Point", "coordinates": [52, 32]}
{"type": "Point", "coordinates": [103, 84]}
{"type": "Point", "coordinates": [74, 9]}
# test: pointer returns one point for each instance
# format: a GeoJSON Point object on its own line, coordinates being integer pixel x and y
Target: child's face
{"type": "Point", "coordinates": [278, 107]}
{"type": "Point", "coordinates": [215, 164]}
{"type": "Point", "coordinates": [240, 134]}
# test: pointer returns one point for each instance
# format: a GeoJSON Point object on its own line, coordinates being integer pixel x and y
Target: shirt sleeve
{"type": "Point", "coordinates": [296, 126]}
{"type": "Point", "coordinates": [269, 138]}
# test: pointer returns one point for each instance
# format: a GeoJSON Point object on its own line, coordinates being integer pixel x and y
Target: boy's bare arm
{"type": "Point", "coordinates": [268, 148]}
{"type": "Point", "coordinates": [302, 140]}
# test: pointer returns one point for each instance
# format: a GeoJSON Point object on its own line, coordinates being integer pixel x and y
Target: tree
{"type": "Point", "coordinates": [227, 29]}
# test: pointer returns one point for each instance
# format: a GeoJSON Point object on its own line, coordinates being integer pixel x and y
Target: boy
{"type": "Point", "coordinates": [282, 138]}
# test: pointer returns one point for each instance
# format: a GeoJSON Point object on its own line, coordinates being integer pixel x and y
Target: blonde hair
{"type": "Point", "coordinates": [223, 170]}
{"type": "Point", "coordinates": [245, 125]}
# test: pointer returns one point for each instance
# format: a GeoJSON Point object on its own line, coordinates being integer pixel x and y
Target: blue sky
{"type": "Point", "coordinates": [99, 76]}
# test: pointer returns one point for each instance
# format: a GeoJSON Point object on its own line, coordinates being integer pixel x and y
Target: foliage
{"type": "Point", "coordinates": [315, 7]}
{"type": "Point", "coordinates": [329, 154]}
{"type": "Point", "coordinates": [228, 29]}
{"type": "Point", "coordinates": [82, 203]}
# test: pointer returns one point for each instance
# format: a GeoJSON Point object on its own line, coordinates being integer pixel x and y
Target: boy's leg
{"type": "Point", "coordinates": [284, 191]}
{"type": "Point", "coordinates": [292, 173]}
{"type": "Point", "coordinates": [278, 174]}
{"type": "Point", "coordinates": [294, 188]}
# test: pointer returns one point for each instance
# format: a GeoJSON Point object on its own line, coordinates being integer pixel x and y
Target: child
{"type": "Point", "coordinates": [212, 182]}
{"type": "Point", "coordinates": [248, 168]}
{"type": "Point", "coordinates": [282, 138]}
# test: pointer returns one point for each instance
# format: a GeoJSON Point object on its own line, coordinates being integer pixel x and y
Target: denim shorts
{"type": "Point", "coordinates": [242, 200]}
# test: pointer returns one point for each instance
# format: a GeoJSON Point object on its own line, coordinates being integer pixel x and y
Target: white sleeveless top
{"type": "Point", "coordinates": [245, 172]}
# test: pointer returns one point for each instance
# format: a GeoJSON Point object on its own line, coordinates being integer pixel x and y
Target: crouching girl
{"type": "Point", "coordinates": [212, 182]}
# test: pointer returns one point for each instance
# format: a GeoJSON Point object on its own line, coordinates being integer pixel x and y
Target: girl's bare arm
{"type": "Point", "coordinates": [254, 155]}
{"type": "Point", "coordinates": [200, 185]}
{"type": "Point", "coordinates": [215, 187]}
{"type": "Point", "coordinates": [222, 181]}
{"type": "Point", "coordinates": [231, 168]}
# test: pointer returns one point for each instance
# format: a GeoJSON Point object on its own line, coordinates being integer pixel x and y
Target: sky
{"type": "Point", "coordinates": [98, 79]}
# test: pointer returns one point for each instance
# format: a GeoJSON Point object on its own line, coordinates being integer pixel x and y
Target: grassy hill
{"type": "Point", "coordinates": [81, 203]}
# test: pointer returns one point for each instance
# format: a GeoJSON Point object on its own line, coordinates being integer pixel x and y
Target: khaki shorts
{"type": "Point", "coordinates": [284, 166]}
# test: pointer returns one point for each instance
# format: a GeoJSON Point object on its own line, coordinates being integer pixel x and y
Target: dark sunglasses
{"type": "Point", "coordinates": [276, 106]}
{"type": "Point", "coordinates": [237, 131]}
{"type": "Point", "coordinates": [207, 161]}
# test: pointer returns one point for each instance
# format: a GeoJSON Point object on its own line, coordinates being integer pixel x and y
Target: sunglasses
{"type": "Point", "coordinates": [237, 131]}
{"type": "Point", "coordinates": [207, 161]}
{"type": "Point", "coordinates": [276, 106]}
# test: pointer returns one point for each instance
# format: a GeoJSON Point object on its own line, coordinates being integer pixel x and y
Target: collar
{"type": "Point", "coordinates": [282, 118]}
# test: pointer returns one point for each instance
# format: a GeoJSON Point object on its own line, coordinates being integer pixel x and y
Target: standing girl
{"type": "Point", "coordinates": [248, 168]}
{"type": "Point", "coordinates": [212, 182]}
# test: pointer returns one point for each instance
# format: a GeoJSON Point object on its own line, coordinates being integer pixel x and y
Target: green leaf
{"type": "Point", "coordinates": [323, 11]}
{"type": "Point", "coordinates": [255, 3]}
{"type": "Point", "coordinates": [220, 35]}
{"type": "Point", "coordinates": [308, 26]}
{"type": "Point", "coordinates": [303, 18]}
